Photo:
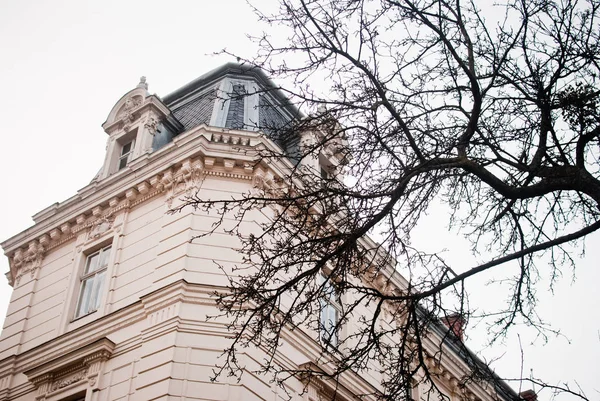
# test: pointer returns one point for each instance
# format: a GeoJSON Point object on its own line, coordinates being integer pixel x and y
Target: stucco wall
{"type": "Point", "coordinates": [152, 322]}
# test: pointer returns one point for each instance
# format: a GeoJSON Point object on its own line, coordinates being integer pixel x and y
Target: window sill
{"type": "Point", "coordinates": [75, 319]}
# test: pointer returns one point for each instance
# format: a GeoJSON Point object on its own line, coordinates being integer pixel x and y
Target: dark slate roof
{"type": "Point", "coordinates": [459, 348]}
{"type": "Point", "coordinates": [197, 111]}
{"type": "Point", "coordinates": [203, 82]}
{"type": "Point", "coordinates": [193, 105]}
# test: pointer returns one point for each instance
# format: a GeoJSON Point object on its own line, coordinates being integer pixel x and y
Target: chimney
{"type": "Point", "coordinates": [456, 322]}
{"type": "Point", "coordinates": [528, 395]}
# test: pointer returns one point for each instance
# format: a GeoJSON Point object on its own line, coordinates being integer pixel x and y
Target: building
{"type": "Point", "coordinates": [110, 297]}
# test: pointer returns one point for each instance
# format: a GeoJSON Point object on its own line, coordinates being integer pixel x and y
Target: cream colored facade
{"type": "Point", "coordinates": [144, 335]}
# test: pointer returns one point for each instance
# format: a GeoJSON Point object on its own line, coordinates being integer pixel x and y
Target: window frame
{"type": "Point", "coordinates": [104, 254]}
{"type": "Point", "coordinates": [330, 304]}
{"type": "Point", "coordinates": [225, 93]}
{"type": "Point", "coordinates": [127, 156]}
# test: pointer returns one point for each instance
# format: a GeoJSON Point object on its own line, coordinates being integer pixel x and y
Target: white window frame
{"type": "Point", "coordinates": [98, 278]}
{"type": "Point", "coordinates": [127, 156]}
{"type": "Point", "coordinates": [330, 309]}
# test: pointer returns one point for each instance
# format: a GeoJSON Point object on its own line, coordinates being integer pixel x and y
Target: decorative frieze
{"type": "Point", "coordinates": [68, 378]}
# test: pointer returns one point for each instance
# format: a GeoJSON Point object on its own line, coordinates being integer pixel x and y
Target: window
{"type": "Point", "coordinates": [330, 307]}
{"type": "Point", "coordinates": [126, 152]}
{"type": "Point", "coordinates": [236, 112]}
{"type": "Point", "coordinates": [92, 281]}
{"type": "Point", "coordinates": [237, 105]}
{"type": "Point", "coordinates": [78, 397]}
{"type": "Point", "coordinates": [324, 174]}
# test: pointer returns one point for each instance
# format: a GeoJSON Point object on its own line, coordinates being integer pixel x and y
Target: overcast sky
{"type": "Point", "coordinates": [63, 65]}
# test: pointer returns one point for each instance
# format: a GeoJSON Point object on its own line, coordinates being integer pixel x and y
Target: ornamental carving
{"type": "Point", "coordinates": [151, 125]}
{"type": "Point", "coordinates": [262, 183]}
{"type": "Point", "coordinates": [80, 368]}
{"type": "Point", "coordinates": [100, 226]}
{"type": "Point", "coordinates": [29, 260]}
{"type": "Point", "coordinates": [186, 182]}
{"type": "Point", "coordinates": [126, 115]}
{"type": "Point", "coordinates": [68, 379]}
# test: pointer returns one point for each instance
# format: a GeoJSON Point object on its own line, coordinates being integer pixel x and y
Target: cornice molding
{"type": "Point", "coordinates": [177, 169]}
{"type": "Point", "coordinates": [67, 363]}
{"type": "Point", "coordinates": [80, 367]}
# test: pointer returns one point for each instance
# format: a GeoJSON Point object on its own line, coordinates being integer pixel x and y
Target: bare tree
{"type": "Point", "coordinates": [492, 111]}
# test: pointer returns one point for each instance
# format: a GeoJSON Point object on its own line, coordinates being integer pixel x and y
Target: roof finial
{"type": "Point", "coordinates": [143, 83]}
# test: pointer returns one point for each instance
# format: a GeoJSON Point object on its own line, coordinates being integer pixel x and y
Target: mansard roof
{"type": "Point", "coordinates": [234, 70]}
{"type": "Point", "coordinates": [233, 96]}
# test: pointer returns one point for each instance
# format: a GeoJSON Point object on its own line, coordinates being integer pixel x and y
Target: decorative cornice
{"type": "Point", "coordinates": [67, 363]}
{"type": "Point", "coordinates": [183, 178]}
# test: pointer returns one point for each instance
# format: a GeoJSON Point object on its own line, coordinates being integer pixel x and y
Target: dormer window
{"type": "Point", "coordinates": [126, 153]}
{"type": "Point", "coordinates": [237, 105]}
{"type": "Point", "coordinates": [236, 112]}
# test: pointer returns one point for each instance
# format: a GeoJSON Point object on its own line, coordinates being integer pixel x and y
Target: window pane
{"type": "Point", "coordinates": [332, 321]}
{"type": "Point", "coordinates": [84, 297]}
{"type": "Point", "coordinates": [328, 320]}
{"type": "Point", "coordinates": [122, 162]}
{"type": "Point", "coordinates": [126, 148]}
{"type": "Point", "coordinates": [104, 256]}
{"type": "Point", "coordinates": [96, 294]}
{"type": "Point", "coordinates": [92, 263]}
{"type": "Point", "coordinates": [323, 317]}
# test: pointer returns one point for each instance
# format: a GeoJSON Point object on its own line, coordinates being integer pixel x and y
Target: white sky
{"type": "Point", "coordinates": [63, 65]}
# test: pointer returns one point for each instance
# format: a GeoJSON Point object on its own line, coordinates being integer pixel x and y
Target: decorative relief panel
{"type": "Point", "coordinates": [126, 114]}
{"type": "Point", "coordinates": [101, 226]}
{"type": "Point", "coordinates": [151, 124]}
{"type": "Point", "coordinates": [186, 182]}
{"type": "Point", "coordinates": [65, 379]}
